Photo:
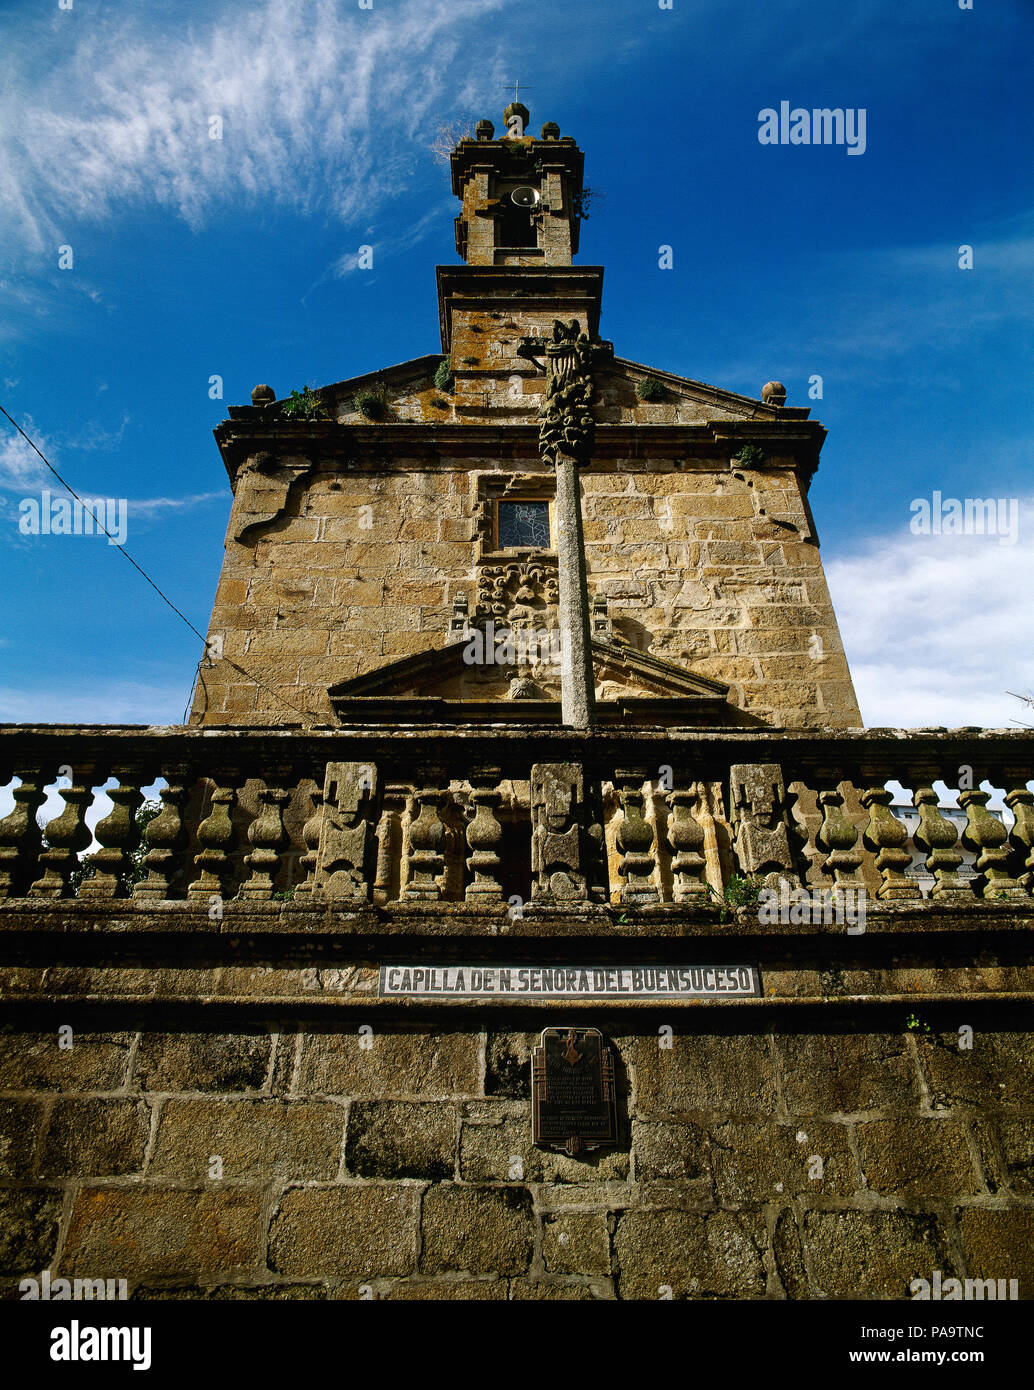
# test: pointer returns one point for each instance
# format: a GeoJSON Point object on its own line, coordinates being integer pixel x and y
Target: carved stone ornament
{"type": "Point", "coordinates": [566, 423]}
{"type": "Point", "coordinates": [346, 833]}
{"type": "Point", "coordinates": [557, 796]}
{"type": "Point", "coordinates": [759, 814]}
{"type": "Point", "coordinates": [519, 595]}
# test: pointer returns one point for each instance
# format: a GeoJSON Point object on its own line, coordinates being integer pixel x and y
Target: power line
{"type": "Point", "coordinates": [306, 714]}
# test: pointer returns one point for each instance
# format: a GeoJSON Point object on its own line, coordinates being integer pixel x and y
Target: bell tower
{"type": "Point", "coordinates": [521, 196]}
{"type": "Point", "coordinates": [517, 230]}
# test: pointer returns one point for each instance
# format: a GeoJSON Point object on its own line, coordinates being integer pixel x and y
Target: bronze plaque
{"type": "Point", "coordinates": [573, 1105]}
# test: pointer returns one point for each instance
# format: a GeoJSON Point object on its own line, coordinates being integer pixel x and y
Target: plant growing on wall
{"type": "Point", "coordinates": [370, 401]}
{"type": "Point", "coordinates": [583, 201]}
{"type": "Point", "coordinates": [443, 375]}
{"type": "Point", "coordinates": [741, 891]}
{"type": "Point", "coordinates": [304, 405]}
{"type": "Point", "coordinates": [649, 389]}
{"type": "Point", "coordinates": [750, 456]}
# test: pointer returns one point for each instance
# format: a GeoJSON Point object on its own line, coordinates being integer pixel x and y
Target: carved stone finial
{"type": "Point", "coordinates": [263, 395]}
{"type": "Point", "coordinates": [773, 393]}
{"type": "Point", "coordinates": [551, 131]}
{"type": "Point", "coordinates": [516, 117]}
{"type": "Point", "coordinates": [484, 130]}
{"type": "Point", "coordinates": [566, 422]}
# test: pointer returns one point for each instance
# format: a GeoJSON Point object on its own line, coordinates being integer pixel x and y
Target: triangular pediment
{"type": "Point", "coordinates": [456, 682]}
{"type": "Point", "coordinates": [673, 399]}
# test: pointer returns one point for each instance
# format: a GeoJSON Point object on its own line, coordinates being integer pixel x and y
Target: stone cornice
{"type": "Point", "coordinates": [382, 445]}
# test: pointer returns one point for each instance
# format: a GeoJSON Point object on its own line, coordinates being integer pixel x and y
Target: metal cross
{"type": "Point", "coordinates": [517, 91]}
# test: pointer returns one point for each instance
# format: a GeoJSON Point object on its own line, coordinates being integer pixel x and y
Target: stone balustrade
{"type": "Point", "coordinates": [504, 822]}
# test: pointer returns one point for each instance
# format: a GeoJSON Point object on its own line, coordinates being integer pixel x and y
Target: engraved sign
{"type": "Point", "coordinates": [571, 981]}
{"type": "Point", "coordinates": [573, 1104]}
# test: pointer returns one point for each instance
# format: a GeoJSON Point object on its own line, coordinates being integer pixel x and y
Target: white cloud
{"type": "Point", "coordinates": [72, 702]}
{"type": "Point", "coordinates": [147, 506]}
{"type": "Point", "coordinates": [20, 466]}
{"type": "Point", "coordinates": [322, 106]}
{"type": "Point", "coordinates": [937, 629]}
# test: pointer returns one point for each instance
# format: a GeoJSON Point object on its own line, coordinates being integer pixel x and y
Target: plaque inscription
{"type": "Point", "coordinates": [574, 1106]}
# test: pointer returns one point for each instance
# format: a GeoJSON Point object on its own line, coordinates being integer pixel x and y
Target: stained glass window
{"type": "Point", "coordinates": [524, 524]}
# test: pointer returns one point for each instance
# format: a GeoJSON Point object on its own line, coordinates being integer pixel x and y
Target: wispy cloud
{"type": "Point", "coordinates": [937, 628]}
{"type": "Point", "coordinates": [20, 466]}
{"type": "Point", "coordinates": [322, 106]}
{"type": "Point", "coordinates": [80, 702]}
{"type": "Point", "coordinates": [395, 245]}
{"type": "Point", "coordinates": [149, 506]}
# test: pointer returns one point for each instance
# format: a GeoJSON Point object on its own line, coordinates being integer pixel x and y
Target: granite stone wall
{"type": "Point", "coordinates": [712, 569]}
{"type": "Point", "coordinates": [304, 1162]}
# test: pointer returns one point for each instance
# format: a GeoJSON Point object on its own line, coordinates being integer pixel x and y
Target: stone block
{"type": "Point", "coordinates": [1017, 1139]}
{"type": "Point", "coordinates": [672, 1151]}
{"type": "Point", "coordinates": [19, 1128]}
{"type": "Point", "coordinates": [95, 1138]}
{"type": "Point", "coordinates": [366, 1231]}
{"type": "Point", "coordinates": [694, 1254]}
{"type": "Point", "coordinates": [29, 1219]}
{"type": "Point", "coordinates": [846, 1073]}
{"type": "Point", "coordinates": [763, 1163]}
{"type": "Point", "coordinates": [399, 1064]}
{"type": "Point", "coordinates": [916, 1158]}
{"type": "Point", "coordinates": [575, 1242]}
{"type": "Point", "coordinates": [254, 1139]}
{"type": "Point", "coordinates": [202, 1061]}
{"type": "Point", "coordinates": [401, 1139]}
{"type": "Point", "coordinates": [451, 1290]}
{"type": "Point", "coordinates": [873, 1254]}
{"type": "Point", "coordinates": [999, 1245]}
{"type": "Point", "coordinates": [161, 1232]}
{"type": "Point", "coordinates": [555, 1290]}
{"type": "Point", "coordinates": [999, 1065]}
{"type": "Point", "coordinates": [728, 1075]}
{"type": "Point", "coordinates": [35, 1062]}
{"type": "Point", "coordinates": [478, 1230]}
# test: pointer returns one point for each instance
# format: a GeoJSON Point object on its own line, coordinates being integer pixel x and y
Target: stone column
{"type": "Point", "coordinates": [566, 434]}
{"type": "Point", "coordinates": [577, 685]}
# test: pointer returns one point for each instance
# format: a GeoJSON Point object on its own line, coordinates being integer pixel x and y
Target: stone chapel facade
{"type": "Point", "coordinates": [523, 708]}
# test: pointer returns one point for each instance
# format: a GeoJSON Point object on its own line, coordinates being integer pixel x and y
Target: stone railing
{"type": "Point", "coordinates": [495, 818]}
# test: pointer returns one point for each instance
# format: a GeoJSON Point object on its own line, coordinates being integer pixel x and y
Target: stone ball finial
{"type": "Point", "coordinates": [516, 108]}
{"type": "Point", "coordinates": [263, 395]}
{"type": "Point", "coordinates": [551, 131]}
{"type": "Point", "coordinates": [773, 393]}
{"type": "Point", "coordinates": [484, 130]}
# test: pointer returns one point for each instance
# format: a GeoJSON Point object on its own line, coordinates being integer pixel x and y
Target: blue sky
{"type": "Point", "coordinates": [195, 257]}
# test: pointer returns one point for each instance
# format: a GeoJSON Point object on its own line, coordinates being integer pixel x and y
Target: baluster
{"type": "Point", "coordinates": [484, 836]}
{"type": "Point", "coordinates": [1021, 803]}
{"type": "Point", "coordinates": [216, 836]}
{"type": "Point", "coordinates": [426, 838]}
{"type": "Point", "coordinates": [165, 837]}
{"type": "Point", "coordinates": [937, 836]}
{"type": "Point", "coordinates": [887, 835]}
{"type": "Point", "coordinates": [635, 840]}
{"type": "Point", "coordinates": [838, 837]}
{"type": "Point", "coordinates": [987, 837]}
{"type": "Point", "coordinates": [389, 845]}
{"type": "Point", "coordinates": [267, 836]}
{"type": "Point", "coordinates": [454, 849]}
{"type": "Point", "coordinates": [118, 834]}
{"type": "Point", "coordinates": [20, 837]}
{"type": "Point", "coordinates": [67, 835]}
{"type": "Point", "coordinates": [686, 838]}
{"type": "Point", "coordinates": [311, 840]}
